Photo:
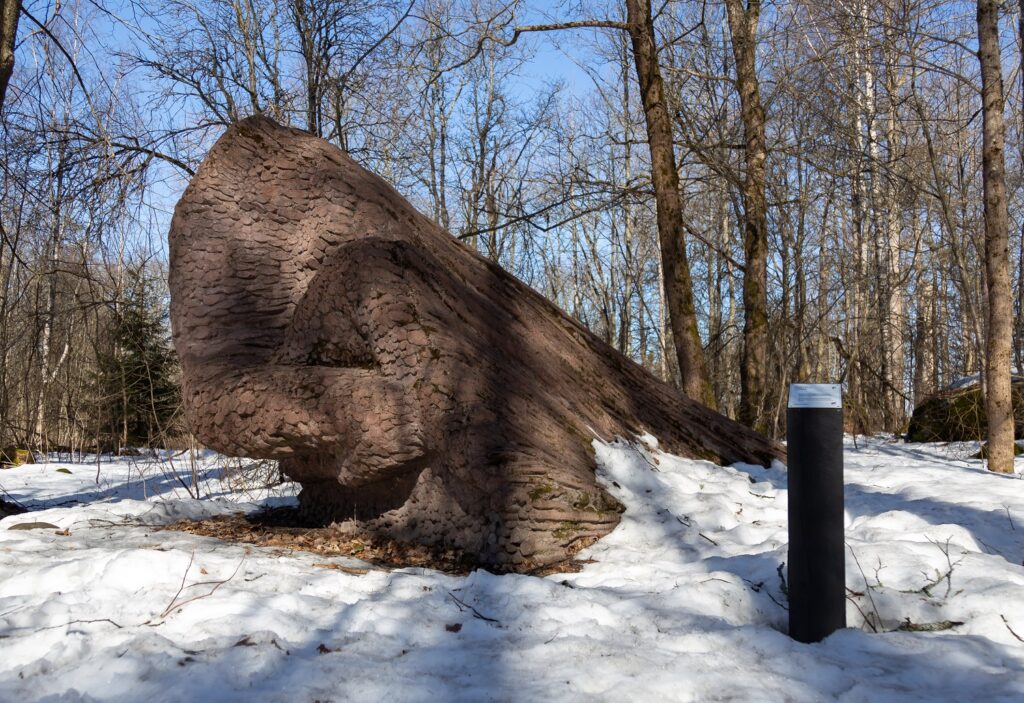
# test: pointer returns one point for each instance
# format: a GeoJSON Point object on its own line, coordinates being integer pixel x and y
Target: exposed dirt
{"type": "Point", "coordinates": [285, 528]}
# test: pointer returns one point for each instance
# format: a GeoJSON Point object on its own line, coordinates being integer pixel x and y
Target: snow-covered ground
{"type": "Point", "coordinates": [683, 601]}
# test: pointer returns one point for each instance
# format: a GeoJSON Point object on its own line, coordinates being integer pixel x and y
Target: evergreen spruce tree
{"type": "Point", "coordinates": [138, 375]}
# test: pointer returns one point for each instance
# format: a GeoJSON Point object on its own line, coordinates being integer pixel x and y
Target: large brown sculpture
{"type": "Point", "coordinates": [417, 391]}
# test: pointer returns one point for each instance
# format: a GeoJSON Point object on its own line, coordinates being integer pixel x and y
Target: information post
{"type": "Point", "coordinates": [817, 563]}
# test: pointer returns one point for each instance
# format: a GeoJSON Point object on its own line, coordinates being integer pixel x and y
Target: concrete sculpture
{"type": "Point", "coordinates": [416, 390]}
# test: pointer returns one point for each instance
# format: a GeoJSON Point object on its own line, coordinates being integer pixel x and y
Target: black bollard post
{"type": "Point", "coordinates": [817, 571]}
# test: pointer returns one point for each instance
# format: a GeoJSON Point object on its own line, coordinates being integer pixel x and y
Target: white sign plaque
{"type": "Point", "coordinates": [815, 395]}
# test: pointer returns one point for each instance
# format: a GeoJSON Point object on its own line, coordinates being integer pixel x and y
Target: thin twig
{"type": "Point", "coordinates": [864, 616]}
{"type": "Point", "coordinates": [643, 455]}
{"type": "Point", "coordinates": [75, 622]}
{"type": "Point", "coordinates": [760, 587]}
{"type": "Point", "coordinates": [1005, 622]}
{"type": "Point", "coordinates": [948, 576]}
{"type": "Point", "coordinates": [65, 624]}
{"type": "Point", "coordinates": [463, 606]}
{"type": "Point", "coordinates": [182, 586]}
{"type": "Point", "coordinates": [868, 588]}
{"type": "Point", "coordinates": [213, 590]}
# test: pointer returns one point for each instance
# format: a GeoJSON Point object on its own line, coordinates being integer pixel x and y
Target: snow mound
{"type": "Point", "coordinates": [684, 601]}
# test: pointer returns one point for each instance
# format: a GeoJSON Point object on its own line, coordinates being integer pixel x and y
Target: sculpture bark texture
{"type": "Point", "coordinates": [416, 390]}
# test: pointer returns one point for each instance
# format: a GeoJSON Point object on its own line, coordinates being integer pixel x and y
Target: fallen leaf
{"type": "Point", "coordinates": [33, 526]}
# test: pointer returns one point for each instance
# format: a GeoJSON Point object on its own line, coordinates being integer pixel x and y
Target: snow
{"type": "Point", "coordinates": [975, 380]}
{"type": "Point", "coordinates": [682, 602]}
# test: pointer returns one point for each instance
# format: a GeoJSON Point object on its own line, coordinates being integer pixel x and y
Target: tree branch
{"type": "Point", "coordinates": [581, 24]}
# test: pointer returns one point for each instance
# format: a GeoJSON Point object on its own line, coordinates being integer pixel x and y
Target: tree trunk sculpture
{"type": "Point", "coordinates": [417, 391]}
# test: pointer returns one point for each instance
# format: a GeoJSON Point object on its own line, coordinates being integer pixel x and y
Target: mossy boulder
{"type": "Point", "coordinates": [957, 414]}
{"type": "Point", "coordinates": [12, 456]}
{"type": "Point", "coordinates": [983, 452]}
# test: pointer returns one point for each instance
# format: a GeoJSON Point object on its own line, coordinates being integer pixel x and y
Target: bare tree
{"type": "Point", "coordinates": [10, 11]}
{"type": "Point", "coordinates": [665, 178]}
{"type": "Point", "coordinates": [999, 340]}
{"type": "Point", "coordinates": [743, 21]}
{"type": "Point", "coordinates": [814, 168]}
{"type": "Point", "coordinates": [677, 281]}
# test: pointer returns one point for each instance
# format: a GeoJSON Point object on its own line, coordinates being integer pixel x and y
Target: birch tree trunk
{"type": "Point", "coordinates": [893, 354]}
{"type": "Point", "coordinates": [924, 358]}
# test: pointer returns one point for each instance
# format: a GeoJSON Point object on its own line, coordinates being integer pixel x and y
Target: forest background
{"type": "Point", "coordinates": [830, 209]}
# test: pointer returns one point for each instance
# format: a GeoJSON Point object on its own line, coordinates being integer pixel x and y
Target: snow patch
{"type": "Point", "coordinates": [684, 601]}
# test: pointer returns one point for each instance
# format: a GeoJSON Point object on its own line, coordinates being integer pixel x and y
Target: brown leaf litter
{"type": "Point", "coordinates": [282, 528]}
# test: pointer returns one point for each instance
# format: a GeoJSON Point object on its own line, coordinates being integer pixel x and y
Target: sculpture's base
{"type": "Point", "coordinates": [523, 527]}
{"type": "Point", "coordinates": [279, 528]}
{"type": "Point", "coordinates": [324, 502]}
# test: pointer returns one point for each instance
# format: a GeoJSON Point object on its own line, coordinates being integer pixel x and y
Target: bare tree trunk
{"type": "Point", "coordinates": [1019, 318]}
{"type": "Point", "coordinates": [893, 354]}
{"type": "Point", "coordinates": [743, 31]}
{"type": "Point", "coordinates": [9, 13]}
{"type": "Point", "coordinates": [309, 26]}
{"type": "Point", "coordinates": [664, 330]}
{"type": "Point", "coordinates": [997, 260]}
{"type": "Point", "coordinates": [856, 296]}
{"type": "Point", "coordinates": [717, 334]}
{"type": "Point", "coordinates": [1019, 331]}
{"type": "Point", "coordinates": [665, 179]}
{"type": "Point", "coordinates": [924, 358]}
{"type": "Point", "coordinates": [629, 277]}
